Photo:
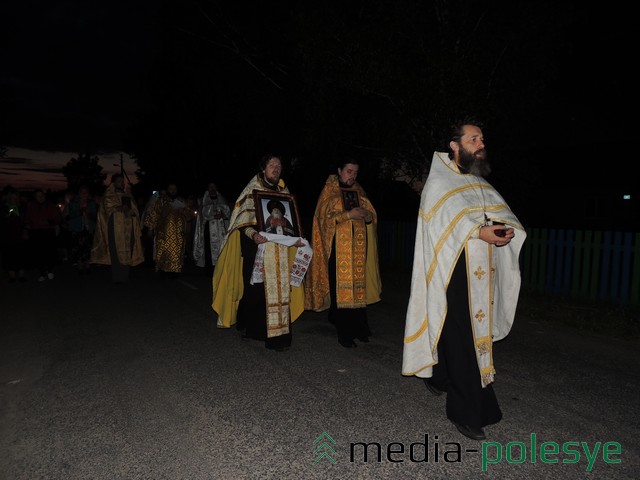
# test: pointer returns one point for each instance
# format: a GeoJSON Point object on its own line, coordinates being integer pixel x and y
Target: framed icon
{"type": "Point", "coordinates": [278, 213]}
{"type": "Point", "coordinates": [350, 198]}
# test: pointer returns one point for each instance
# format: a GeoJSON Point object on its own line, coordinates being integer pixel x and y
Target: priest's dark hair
{"type": "Point", "coordinates": [264, 160]}
{"type": "Point", "coordinates": [457, 130]}
{"type": "Point", "coordinates": [342, 162]}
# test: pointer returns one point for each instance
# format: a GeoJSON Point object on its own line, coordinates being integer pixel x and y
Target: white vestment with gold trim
{"type": "Point", "coordinates": [452, 209]}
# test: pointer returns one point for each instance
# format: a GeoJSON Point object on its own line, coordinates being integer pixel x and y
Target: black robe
{"type": "Point", "coordinates": [457, 371]}
{"type": "Point", "coordinates": [252, 308]}
{"type": "Point", "coordinates": [350, 323]}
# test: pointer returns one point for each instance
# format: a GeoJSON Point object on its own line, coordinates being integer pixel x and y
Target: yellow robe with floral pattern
{"type": "Point", "coordinates": [358, 280]}
{"type": "Point", "coordinates": [169, 225]}
{"type": "Point", "coordinates": [126, 226]}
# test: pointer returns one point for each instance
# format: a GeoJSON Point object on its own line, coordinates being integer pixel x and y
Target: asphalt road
{"type": "Point", "coordinates": [103, 381]}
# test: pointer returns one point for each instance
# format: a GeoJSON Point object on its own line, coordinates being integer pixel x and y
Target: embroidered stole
{"type": "Point", "coordinates": [277, 288]}
{"type": "Point", "coordinates": [351, 259]}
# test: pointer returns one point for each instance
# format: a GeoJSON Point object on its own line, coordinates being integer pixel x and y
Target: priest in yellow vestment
{"type": "Point", "coordinates": [168, 218]}
{"type": "Point", "coordinates": [261, 311]}
{"type": "Point", "coordinates": [117, 239]}
{"type": "Point", "coordinates": [344, 274]}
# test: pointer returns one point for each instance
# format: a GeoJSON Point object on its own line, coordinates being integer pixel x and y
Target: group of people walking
{"type": "Point", "coordinates": [265, 310]}
{"type": "Point", "coordinates": [465, 280]}
{"type": "Point", "coordinates": [168, 221]}
{"type": "Point", "coordinates": [32, 229]}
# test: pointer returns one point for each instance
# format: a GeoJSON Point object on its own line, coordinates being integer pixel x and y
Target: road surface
{"type": "Point", "coordinates": [134, 381]}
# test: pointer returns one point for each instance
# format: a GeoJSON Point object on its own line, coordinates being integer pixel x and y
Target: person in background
{"type": "Point", "coordinates": [211, 228]}
{"type": "Point", "coordinates": [117, 238]}
{"type": "Point", "coordinates": [148, 239]}
{"type": "Point", "coordinates": [13, 239]}
{"type": "Point", "coordinates": [42, 220]}
{"type": "Point", "coordinates": [81, 220]}
{"type": "Point", "coordinates": [190, 228]}
{"type": "Point", "coordinates": [167, 220]}
{"type": "Point", "coordinates": [64, 237]}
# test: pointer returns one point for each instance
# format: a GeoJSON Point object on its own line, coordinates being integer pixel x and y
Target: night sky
{"type": "Point", "coordinates": [220, 83]}
{"type": "Point", "coordinates": [71, 73]}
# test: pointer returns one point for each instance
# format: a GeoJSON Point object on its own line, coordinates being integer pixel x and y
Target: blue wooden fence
{"type": "Point", "coordinates": [599, 266]}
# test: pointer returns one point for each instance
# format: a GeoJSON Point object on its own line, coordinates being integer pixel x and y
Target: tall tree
{"type": "Point", "coordinates": [384, 79]}
{"type": "Point", "coordinates": [85, 169]}
{"type": "Point", "coordinates": [380, 80]}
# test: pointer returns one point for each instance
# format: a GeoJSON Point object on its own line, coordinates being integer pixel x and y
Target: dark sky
{"type": "Point", "coordinates": [71, 71]}
{"type": "Point", "coordinates": [74, 71]}
{"type": "Point", "coordinates": [77, 74]}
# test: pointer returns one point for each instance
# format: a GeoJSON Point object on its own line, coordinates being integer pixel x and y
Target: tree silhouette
{"type": "Point", "coordinates": [376, 80]}
{"type": "Point", "coordinates": [84, 170]}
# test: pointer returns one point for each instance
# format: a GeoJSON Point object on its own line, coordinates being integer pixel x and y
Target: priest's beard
{"type": "Point", "coordinates": [475, 163]}
{"type": "Point", "coordinates": [273, 181]}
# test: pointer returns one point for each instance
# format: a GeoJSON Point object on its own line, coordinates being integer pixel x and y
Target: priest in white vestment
{"type": "Point", "coordinates": [465, 282]}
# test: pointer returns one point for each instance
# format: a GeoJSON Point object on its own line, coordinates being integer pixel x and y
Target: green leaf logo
{"type": "Point", "coordinates": [323, 448]}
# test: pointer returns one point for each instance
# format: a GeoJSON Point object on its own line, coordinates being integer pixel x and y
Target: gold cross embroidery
{"type": "Point", "coordinates": [479, 273]}
{"type": "Point", "coordinates": [480, 316]}
{"type": "Point", "coordinates": [484, 348]}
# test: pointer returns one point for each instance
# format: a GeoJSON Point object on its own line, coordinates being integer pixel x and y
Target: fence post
{"type": "Point", "coordinates": [625, 277]}
{"type": "Point", "coordinates": [634, 294]}
{"type": "Point", "coordinates": [526, 261]}
{"type": "Point", "coordinates": [550, 284]}
{"type": "Point", "coordinates": [568, 257]}
{"type": "Point", "coordinates": [595, 266]}
{"type": "Point", "coordinates": [544, 239]}
{"type": "Point", "coordinates": [578, 253]}
{"type": "Point", "coordinates": [616, 248]}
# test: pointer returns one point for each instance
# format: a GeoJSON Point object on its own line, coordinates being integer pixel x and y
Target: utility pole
{"type": "Point", "coordinates": [123, 172]}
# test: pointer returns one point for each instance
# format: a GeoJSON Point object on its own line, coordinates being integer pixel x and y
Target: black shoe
{"type": "Point", "coordinates": [348, 344]}
{"type": "Point", "coordinates": [434, 391]}
{"type": "Point", "coordinates": [364, 339]}
{"type": "Point", "coordinates": [474, 433]}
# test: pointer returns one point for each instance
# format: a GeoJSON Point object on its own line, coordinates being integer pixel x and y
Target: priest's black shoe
{"type": "Point", "coordinates": [474, 433]}
{"type": "Point", "coordinates": [434, 391]}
